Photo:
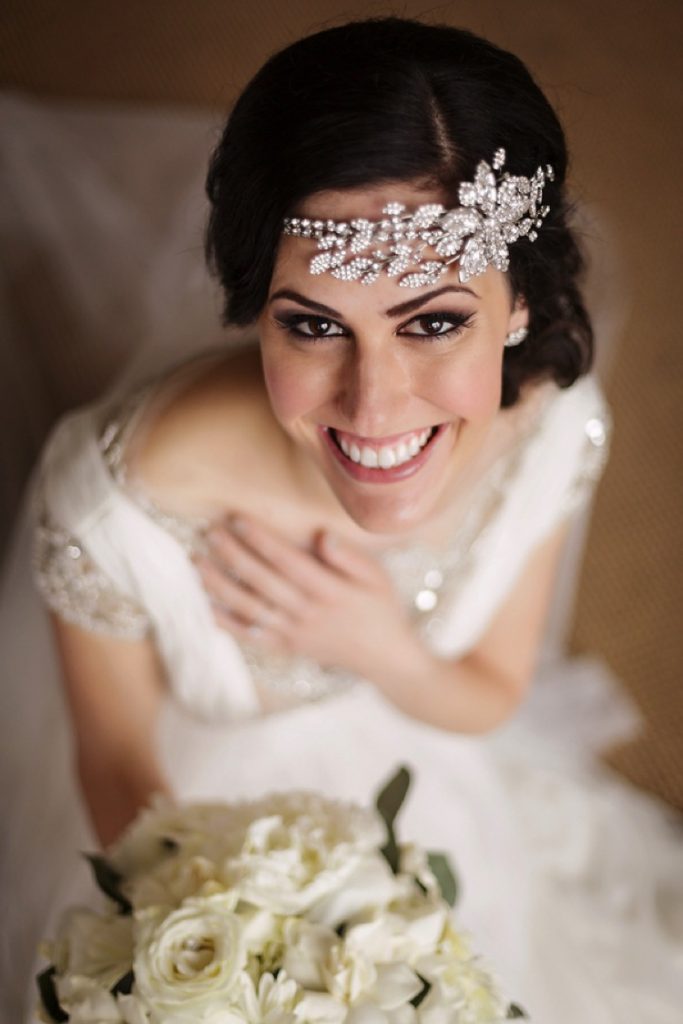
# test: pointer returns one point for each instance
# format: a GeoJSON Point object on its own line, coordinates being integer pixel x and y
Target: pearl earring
{"type": "Point", "coordinates": [516, 337]}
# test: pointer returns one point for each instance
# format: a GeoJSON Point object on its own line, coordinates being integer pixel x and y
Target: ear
{"type": "Point", "coordinates": [519, 314]}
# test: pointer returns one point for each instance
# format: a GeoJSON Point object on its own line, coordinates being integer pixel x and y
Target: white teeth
{"type": "Point", "coordinates": [387, 456]}
{"type": "Point", "coordinates": [369, 458]}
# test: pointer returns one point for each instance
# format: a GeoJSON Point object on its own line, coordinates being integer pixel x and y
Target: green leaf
{"type": "Point", "coordinates": [445, 876]}
{"type": "Point", "coordinates": [390, 799]}
{"type": "Point", "coordinates": [389, 802]}
{"type": "Point", "coordinates": [48, 995]}
{"type": "Point", "coordinates": [124, 985]}
{"type": "Point", "coordinates": [109, 880]}
{"type": "Point", "coordinates": [515, 1012]}
{"type": "Point", "coordinates": [422, 995]}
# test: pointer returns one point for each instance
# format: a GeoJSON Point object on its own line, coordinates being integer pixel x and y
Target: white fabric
{"type": "Point", "coordinates": [570, 879]}
{"type": "Point", "coordinates": [537, 483]}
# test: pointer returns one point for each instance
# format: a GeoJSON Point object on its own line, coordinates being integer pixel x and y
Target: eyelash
{"type": "Point", "coordinates": [459, 322]}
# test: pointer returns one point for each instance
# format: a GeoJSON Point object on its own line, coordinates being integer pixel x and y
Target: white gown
{"type": "Point", "coordinates": [571, 881]}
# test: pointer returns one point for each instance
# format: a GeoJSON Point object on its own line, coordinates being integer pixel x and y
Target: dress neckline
{"type": "Point", "coordinates": [123, 418]}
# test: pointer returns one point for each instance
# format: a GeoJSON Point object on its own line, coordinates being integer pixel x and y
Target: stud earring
{"type": "Point", "coordinates": [516, 337]}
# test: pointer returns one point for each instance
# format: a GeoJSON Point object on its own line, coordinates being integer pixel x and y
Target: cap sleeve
{"type": "Point", "coordinates": [76, 589]}
{"type": "Point", "coordinates": [593, 424]}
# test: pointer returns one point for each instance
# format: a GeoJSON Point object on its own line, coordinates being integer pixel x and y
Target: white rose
{"type": "Point", "coordinates": [187, 963]}
{"type": "Point", "coordinates": [300, 849]}
{"type": "Point", "coordinates": [96, 946]}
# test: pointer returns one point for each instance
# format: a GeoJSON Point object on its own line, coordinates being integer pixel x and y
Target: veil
{"type": "Point", "coordinates": [104, 286]}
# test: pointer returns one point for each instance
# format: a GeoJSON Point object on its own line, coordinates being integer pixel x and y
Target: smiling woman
{"type": "Point", "coordinates": [336, 547]}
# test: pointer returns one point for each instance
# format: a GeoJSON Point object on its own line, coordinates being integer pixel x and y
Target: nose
{"type": "Point", "coordinates": [373, 391]}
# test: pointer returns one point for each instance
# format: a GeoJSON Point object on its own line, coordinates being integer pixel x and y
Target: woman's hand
{"type": "Point", "coordinates": [333, 603]}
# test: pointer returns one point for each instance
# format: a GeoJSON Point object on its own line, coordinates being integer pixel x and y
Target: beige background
{"type": "Point", "coordinates": [611, 69]}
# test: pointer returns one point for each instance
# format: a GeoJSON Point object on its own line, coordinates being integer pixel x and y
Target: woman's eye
{"type": "Point", "coordinates": [311, 326]}
{"type": "Point", "coordinates": [436, 325]}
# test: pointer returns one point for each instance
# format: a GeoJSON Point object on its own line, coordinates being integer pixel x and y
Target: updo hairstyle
{"type": "Point", "coordinates": [396, 100]}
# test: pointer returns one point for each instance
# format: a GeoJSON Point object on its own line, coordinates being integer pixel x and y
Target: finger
{"type": "Point", "coordinates": [346, 558]}
{"type": "Point", "coordinates": [242, 562]}
{"type": "Point", "coordinates": [302, 569]}
{"type": "Point", "coordinates": [235, 599]}
{"type": "Point", "coordinates": [250, 633]}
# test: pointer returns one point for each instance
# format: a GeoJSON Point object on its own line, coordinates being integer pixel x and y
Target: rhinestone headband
{"type": "Point", "coordinates": [495, 210]}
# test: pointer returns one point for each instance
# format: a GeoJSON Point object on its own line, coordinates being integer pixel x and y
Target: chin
{"type": "Point", "coordinates": [386, 516]}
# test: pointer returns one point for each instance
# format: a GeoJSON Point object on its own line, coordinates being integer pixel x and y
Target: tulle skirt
{"type": "Point", "coordinates": [571, 881]}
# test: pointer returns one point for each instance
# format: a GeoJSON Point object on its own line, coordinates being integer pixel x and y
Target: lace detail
{"type": "Point", "coordinates": [113, 442]}
{"type": "Point", "coordinates": [598, 434]}
{"type": "Point", "coordinates": [72, 586]}
{"type": "Point", "coordinates": [429, 580]}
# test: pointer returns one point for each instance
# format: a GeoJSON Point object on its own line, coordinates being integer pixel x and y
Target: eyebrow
{"type": "Point", "coordinates": [399, 310]}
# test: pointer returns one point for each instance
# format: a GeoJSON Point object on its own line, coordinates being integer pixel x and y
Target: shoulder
{"type": "Point", "coordinates": [578, 421]}
{"type": "Point", "coordinates": [568, 449]}
{"type": "Point", "coordinates": [213, 430]}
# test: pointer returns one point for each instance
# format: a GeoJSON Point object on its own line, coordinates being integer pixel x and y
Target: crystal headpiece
{"type": "Point", "coordinates": [495, 210]}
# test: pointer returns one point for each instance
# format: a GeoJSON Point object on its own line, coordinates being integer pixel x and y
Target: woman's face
{"type": "Point", "coordinates": [388, 391]}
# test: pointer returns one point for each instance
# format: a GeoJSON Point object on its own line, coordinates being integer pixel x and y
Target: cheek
{"type": "Point", "coordinates": [472, 391]}
{"type": "Point", "coordinates": [293, 388]}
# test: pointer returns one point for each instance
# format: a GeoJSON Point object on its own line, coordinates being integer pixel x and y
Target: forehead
{"type": "Point", "coordinates": [367, 202]}
{"type": "Point", "coordinates": [294, 254]}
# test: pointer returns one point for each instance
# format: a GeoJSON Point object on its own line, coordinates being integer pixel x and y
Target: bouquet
{"type": "Point", "coordinates": [293, 909]}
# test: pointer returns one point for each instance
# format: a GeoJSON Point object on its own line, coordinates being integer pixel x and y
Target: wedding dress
{"type": "Point", "coordinates": [570, 880]}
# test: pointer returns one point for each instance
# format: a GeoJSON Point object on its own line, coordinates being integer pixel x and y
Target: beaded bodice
{"type": "Point", "coordinates": [430, 580]}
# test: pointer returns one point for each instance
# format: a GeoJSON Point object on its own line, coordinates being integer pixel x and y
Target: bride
{"type": "Point", "coordinates": [302, 562]}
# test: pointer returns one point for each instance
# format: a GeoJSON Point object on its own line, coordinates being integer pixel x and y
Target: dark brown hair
{"type": "Point", "coordinates": [396, 100]}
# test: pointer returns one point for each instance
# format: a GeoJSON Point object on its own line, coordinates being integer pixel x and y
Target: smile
{"type": "Point", "coordinates": [381, 460]}
{"type": "Point", "coordinates": [384, 456]}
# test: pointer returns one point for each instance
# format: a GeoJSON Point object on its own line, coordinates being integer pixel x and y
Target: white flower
{"type": "Point", "coordinates": [88, 1002]}
{"type": "Point", "coordinates": [373, 1015]}
{"type": "Point", "coordinates": [319, 1008]}
{"type": "Point", "coordinates": [301, 848]}
{"type": "Point", "coordinates": [212, 831]}
{"type": "Point", "coordinates": [414, 862]}
{"type": "Point", "coordinates": [370, 886]}
{"type": "Point", "coordinates": [271, 1001]}
{"type": "Point", "coordinates": [306, 947]}
{"type": "Point", "coordinates": [187, 963]}
{"type": "Point", "coordinates": [353, 978]}
{"type": "Point", "coordinates": [405, 935]}
{"type": "Point", "coordinates": [463, 991]}
{"type": "Point", "coordinates": [177, 878]}
{"type": "Point", "coordinates": [96, 946]}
